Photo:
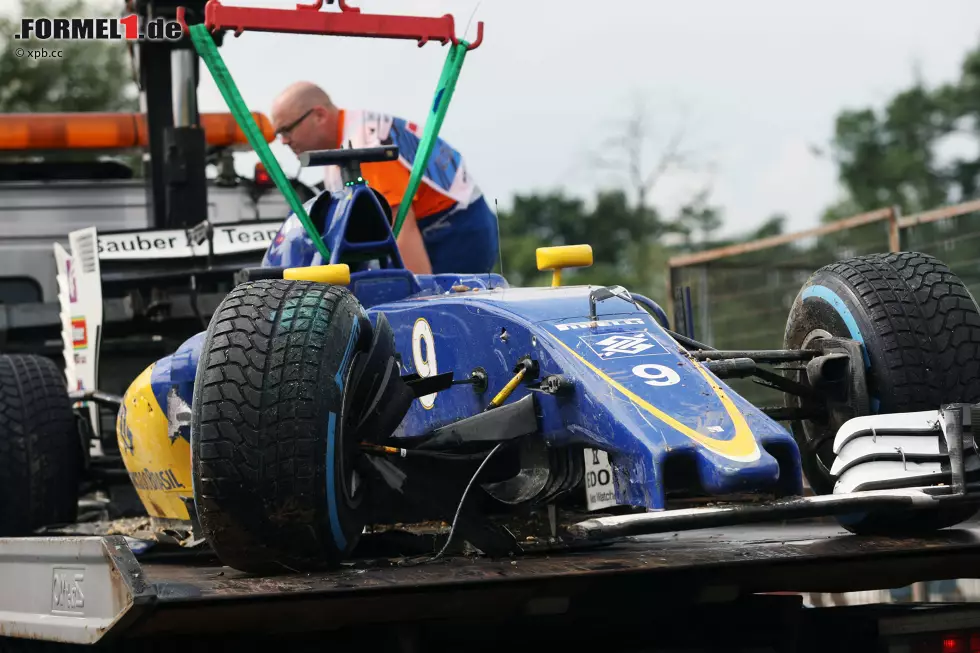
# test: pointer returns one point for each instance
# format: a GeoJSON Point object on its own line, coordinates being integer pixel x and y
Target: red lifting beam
{"type": "Point", "coordinates": [349, 21]}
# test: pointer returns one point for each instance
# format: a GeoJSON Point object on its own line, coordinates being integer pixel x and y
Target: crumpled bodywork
{"type": "Point", "coordinates": [664, 421]}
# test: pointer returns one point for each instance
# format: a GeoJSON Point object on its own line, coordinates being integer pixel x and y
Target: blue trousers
{"type": "Point", "coordinates": [463, 241]}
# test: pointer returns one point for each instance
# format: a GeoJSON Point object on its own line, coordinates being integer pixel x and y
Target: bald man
{"type": "Point", "coordinates": [449, 227]}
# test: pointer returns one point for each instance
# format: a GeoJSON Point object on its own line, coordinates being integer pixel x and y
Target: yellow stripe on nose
{"type": "Point", "coordinates": [741, 448]}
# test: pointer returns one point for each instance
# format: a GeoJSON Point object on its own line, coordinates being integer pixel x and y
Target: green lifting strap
{"type": "Point", "coordinates": [433, 123]}
{"type": "Point", "coordinates": [209, 53]}
{"type": "Point", "coordinates": [444, 92]}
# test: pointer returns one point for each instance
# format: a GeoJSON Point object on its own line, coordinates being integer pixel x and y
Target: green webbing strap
{"type": "Point", "coordinates": [444, 93]}
{"type": "Point", "coordinates": [209, 53]}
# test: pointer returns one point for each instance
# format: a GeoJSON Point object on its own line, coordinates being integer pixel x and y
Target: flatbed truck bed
{"type": "Point", "coordinates": [94, 590]}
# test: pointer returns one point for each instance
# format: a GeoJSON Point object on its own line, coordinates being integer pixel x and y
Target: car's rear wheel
{"type": "Point", "coordinates": [920, 331]}
{"type": "Point", "coordinates": [274, 467]}
{"type": "Point", "coordinates": [41, 456]}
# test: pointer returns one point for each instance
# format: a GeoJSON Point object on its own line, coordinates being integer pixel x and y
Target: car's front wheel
{"type": "Point", "coordinates": [919, 328]}
{"type": "Point", "coordinates": [273, 460]}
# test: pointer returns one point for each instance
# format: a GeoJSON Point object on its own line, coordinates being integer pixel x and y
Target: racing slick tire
{"type": "Point", "coordinates": [272, 464]}
{"type": "Point", "coordinates": [920, 329]}
{"type": "Point", "coordinates": [41, 456]}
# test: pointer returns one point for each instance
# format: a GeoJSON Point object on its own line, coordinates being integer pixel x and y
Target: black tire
{"type": "Point", "coordinates": [921, 332]}
{"type": "Point", "coordinates": [268, 415]}
{"type": "Point", "coordinates": [41, 457]}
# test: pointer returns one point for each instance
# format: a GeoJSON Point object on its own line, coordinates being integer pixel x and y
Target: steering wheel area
{"type": "Point", "coordinates": [349, 160]}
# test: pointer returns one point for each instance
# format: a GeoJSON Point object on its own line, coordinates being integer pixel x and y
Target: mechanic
{"type": "Point", "coordinates": [449, 227]}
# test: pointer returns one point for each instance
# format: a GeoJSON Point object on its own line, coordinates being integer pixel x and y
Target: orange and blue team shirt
{"type": "Point", "coordinates": [446, 186]}
{"type": "Point", "coordinates": [457, 226]}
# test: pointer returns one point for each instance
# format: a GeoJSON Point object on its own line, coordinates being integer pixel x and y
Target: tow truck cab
{"type": "Point", "coordinates": [163, 274]}
{"type": "Point", "coordinates": [175, 219]}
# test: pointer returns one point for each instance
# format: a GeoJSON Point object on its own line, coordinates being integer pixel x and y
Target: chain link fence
{"type": "Point", "coordinates": [951, 234]}
{"type": "Point", "coordinates": [738, 297]}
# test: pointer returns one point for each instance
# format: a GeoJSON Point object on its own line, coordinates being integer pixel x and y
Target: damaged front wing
{"type": "Point", "coordinates": [897, 462]}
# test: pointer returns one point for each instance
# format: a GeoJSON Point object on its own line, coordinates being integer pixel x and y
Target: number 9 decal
{"type": "Point", "coordinates": [424, 355]}
{"type": "Point", "coordinates": [657, 375]}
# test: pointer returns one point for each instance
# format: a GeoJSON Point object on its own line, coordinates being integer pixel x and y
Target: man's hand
{"type": "Point", "coordinates": [411, 246]}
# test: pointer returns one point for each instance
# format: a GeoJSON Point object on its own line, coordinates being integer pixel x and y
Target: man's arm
{"type": "Point", "coordinates": [411, 246]}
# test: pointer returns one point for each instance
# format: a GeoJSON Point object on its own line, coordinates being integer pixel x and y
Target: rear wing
{"type": "Point", "coordinates": [79, 278]}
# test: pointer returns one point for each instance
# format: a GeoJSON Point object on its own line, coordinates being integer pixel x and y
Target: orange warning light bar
{"type": "Point", "coordinates": [110, 131]}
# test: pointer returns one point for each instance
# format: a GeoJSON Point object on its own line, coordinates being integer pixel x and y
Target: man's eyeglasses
{"type": "Point", "coordinates": [293, 125]}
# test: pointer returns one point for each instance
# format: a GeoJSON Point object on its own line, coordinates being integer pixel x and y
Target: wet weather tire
{"type": "Point", "coordinates": [920, 328]}
{"type": "Point", "coordinates": [41, 455]}
{"type": "Point", "coordinates": [273, 471]}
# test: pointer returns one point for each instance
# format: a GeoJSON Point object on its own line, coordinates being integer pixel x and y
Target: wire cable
{"type": "Point", "coordinates": [459, 510]}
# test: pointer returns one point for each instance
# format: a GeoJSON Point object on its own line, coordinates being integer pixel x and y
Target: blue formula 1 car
{"type": "Point", "coordinates": [327, 396]}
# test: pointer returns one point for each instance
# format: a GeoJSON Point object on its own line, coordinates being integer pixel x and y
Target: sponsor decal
{"type": "Point", "coordinates": [621, 345]}
{"type": "Point", "coordinates": [79, 333]}
{"type": "Point", "coordinates": [599, 489]}
{"type": "Point", "coordinates": [570, 326]}
{"type": "Point", "coordinates": [155, 480]}
{"type": "Point", "coordinates": [123, 431]}
{"type": "Point", "coordinates": [179, 243]}
{"type": "Point", "coordinates": [72, 282]}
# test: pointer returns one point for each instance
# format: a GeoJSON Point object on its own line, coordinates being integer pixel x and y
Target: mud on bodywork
{"type": "Point", "coordinates": [661, 417]}
{"type": "Point", "coordinates": [154, 434]}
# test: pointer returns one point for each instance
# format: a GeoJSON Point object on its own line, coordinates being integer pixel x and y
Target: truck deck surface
{"type": "Point", "coordinates": [191, 593]}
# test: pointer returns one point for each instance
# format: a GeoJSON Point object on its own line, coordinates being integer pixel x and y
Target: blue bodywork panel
{"type": "Point", "coordinates": [172, 383]}
{"type": "Point", "coordinates": [635, 394]}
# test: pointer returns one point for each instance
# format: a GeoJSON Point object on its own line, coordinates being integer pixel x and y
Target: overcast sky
{"type": "Point", "coordinates": [755, 83]}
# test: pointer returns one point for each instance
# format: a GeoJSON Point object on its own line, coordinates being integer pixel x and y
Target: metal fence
{"type": "Point", "coordinates": [738, 296]}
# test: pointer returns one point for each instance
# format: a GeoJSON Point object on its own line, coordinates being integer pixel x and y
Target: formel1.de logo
{"type": "Point", "coordinates": [125, 28]}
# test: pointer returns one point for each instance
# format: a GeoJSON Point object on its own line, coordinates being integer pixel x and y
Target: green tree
{"type": "Point", "coordinates": [891, 156]}
{"type": "Point", "coordinates": [698, 217]}
{"type": "Point", "coordinates": [91, 76]}
{"type": "Point", "coordinates": [890, 159]}
{"type": "Point", "coordinates": [624, 240]}
{"type": "Point", "coordinates": [897, 156]}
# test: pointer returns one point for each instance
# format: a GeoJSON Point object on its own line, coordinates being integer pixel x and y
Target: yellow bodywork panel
{"type": "Point", "coordinates": [563, 256]}
{"type": "Point", "coordinates": [336, 275]}
{"type": "Point", "coordinates": [159, 467]}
